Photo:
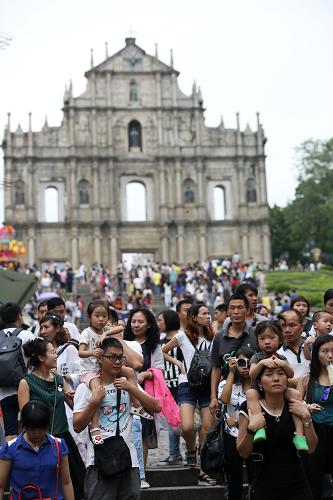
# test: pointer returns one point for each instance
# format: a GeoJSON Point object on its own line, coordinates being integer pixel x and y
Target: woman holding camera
{"type": "Point", "coordinates": [233, 393]}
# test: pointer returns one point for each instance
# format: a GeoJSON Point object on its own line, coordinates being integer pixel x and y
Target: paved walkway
{"type": "Point", "coordinates": [162, 452]}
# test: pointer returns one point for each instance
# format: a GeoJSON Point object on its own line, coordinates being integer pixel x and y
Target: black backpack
{"type": "Point", "coordinates": [212, 452]}
{"type": "Point", "coordinates": [12, 365]}
{"type": "Point", "coordinates": [200, 369]}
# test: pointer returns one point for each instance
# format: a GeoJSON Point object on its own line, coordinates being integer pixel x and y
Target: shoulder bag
{"type": "Point", "coordinates": [113, 456]}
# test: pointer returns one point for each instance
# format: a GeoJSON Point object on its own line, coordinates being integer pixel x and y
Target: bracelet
{"type": "Point", "coordinates": [307, 423]}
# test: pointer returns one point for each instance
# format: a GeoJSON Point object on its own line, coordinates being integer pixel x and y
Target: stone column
{"type": "Point", "coordinates": [163, 207]}
{"type": "Point", "coordinates": [97, 244]}
{"type": "Point", "coordinates": [180, 238]}
{"type": "Point", "coordinates": [95, 190]}
{"type": "Point", "coordinates": [113, 250]}
{"type": "Point", "coordinates": [31, 246]}
{"type": "Point", "coordinates": [31, 180]}
{"type": "Point", "coordinates": [202, 236]}
{"type": "Point", "coordinates": [267, 255]}
{"type": "Point", "coordinates": [164, 253]}
{"type": "Point", "coordinates": [112, 193]}
{"type": "Point", "coordinates": [245, 243]}
{"type": "Point", "coordinates": [178, 184]}
{"type": "Point", "coordinates": [74, 248]}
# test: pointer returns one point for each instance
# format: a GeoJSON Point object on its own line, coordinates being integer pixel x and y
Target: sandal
{"type": "Point", "coordinates": [141, 412]}
{"type": "Point", "coordinates": [98, 438]}
{"type": "Point", "coordinates": [191, 458]}
{"type": "Point", "coordinates": [207, 480]}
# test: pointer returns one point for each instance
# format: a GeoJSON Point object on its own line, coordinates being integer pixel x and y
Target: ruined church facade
{"type": "Point", "coordinates": [200, 191]}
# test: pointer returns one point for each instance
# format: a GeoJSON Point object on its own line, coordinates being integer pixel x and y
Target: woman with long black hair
{"type": "Point", "coordinates": [42, 384]}
{"type": "Point", "coordinates": [142, 327]}
{"type": "Point", "coordinates": [317, 387]}
{"type": "Point", "coordinates": [197, 336]}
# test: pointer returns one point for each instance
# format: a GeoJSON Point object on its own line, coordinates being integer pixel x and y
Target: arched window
{"type": "Point", "coordinates": [133, 93]}
{"type": "Point", "coordinates": [136, 201]}
{"type": "Point", "coordinates": [51, 200]}
{"type": "Point", "coordinates": [188, 191]}
{"type": "Point", "coordinates": [134, 135]}
{"type": "Point", "coordinates": [19, 193]}
{"type": "Point", "coordinates": [84, 192]}
{"type": "Point", "coordinates": [219, 203]}
{"type": "Point", "coordinates": [251, 191]}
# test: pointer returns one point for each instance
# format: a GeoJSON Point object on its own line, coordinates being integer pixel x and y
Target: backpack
{"type": "Point", "coordinates": [200, 368]}
{"type": "Point", "coordinates": [212, 452]}
{"type": "Point", "coordinates": [12, 365]}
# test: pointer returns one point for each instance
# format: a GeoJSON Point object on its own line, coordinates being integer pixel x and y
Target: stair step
{"type": "Point", "coordinates": [181, 492]}
{"type": "Point", "coordinates": [172, 476]}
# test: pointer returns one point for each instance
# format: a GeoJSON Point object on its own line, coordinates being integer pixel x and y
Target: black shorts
{"type": "Point", "coordinates": [10, 411]}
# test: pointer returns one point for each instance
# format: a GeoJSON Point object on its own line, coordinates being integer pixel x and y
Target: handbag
{"type": "Point", "coordinates": [36, 488]}
{"type": "Point", "coordinates": [113, 456]}
{"type": "Point", "coordinates": [212, 453]}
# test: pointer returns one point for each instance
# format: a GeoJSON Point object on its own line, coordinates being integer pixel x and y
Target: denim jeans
{"type": "Point", "coordinates": [174, 440]}
{"type": "Point", "coordinates": [137, 441]}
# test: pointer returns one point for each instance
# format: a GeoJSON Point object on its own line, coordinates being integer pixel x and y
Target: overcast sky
{"type": "Point", "coordinates": [271, 56]}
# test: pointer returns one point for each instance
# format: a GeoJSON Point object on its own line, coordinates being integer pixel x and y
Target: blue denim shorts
{"type": "Point", "coordinates": [194, 397]}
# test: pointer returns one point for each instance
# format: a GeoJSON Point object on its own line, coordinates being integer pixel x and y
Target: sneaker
{"type": "Point", "coordinates": [171, 461]}
{"type": "Point", "coordinates": [144, 484]}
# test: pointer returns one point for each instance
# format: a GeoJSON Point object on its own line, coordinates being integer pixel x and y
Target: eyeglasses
{"type": "Point", "coordinates": [244, 363]}
{"type": "Point", "coordinates": [325, 395]}
{"type": "Point", "coordinates": [114, 358]}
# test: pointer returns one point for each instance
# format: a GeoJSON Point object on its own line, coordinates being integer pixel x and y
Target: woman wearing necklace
{"type": "Point", "coordinates": [317, 387]}
{"type": "Point", "coordinates": [43, 384]}
{"type": "Point", "coordinates": [278, 471]}
{"type": "Point", "coordinates": [34, 456]}
{"type": "Point", "coordinates": [142, 327]}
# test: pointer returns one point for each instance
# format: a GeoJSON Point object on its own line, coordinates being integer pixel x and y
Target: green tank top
{"type": "Point", "coordinates": [46, 391]}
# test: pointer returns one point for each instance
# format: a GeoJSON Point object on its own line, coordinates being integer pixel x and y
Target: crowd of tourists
{"type": "Point", "coordinates": [82, 409]}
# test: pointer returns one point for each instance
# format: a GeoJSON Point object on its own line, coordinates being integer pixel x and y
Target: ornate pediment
{"type": "Point", "coordinates": [131, 59]}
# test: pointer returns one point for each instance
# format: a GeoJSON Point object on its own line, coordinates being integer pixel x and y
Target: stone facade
{"type": "Point", "coordinates": [134, 124]}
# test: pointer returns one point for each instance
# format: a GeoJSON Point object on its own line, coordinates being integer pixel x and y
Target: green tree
{"type": "Point", "coordinates": [308, 220]}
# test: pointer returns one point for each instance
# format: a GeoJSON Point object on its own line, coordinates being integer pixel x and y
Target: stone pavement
{"type": "Point", "coordinates": [162, 452]}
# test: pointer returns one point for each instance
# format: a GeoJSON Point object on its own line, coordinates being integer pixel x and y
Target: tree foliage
{"type": "Point", "coordinates": [307, 222]}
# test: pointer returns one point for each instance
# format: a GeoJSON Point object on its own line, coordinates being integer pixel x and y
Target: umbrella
{"type": "Point", "coordinates": [46, 296]}
{"type": "Point", "coordinates": [16, 287]}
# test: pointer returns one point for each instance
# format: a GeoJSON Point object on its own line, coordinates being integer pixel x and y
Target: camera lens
{"type": "Point", "coordinates": [242, 362]}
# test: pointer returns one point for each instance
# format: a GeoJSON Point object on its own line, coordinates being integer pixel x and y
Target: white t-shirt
{"type": "Point", "coordinates": [134, 345]}
{"type": "Point", "coordinates": [108, 417]}
{"type": "Point", "coordinates": [188, 350]}
{"type": "Point", "coordinates": [73, 331]}
{"type": "Point", "coordinates": [89, 337]}
{"type": "Point", "coordinates": [237, 397]}
{"type": "Point", "coordinates": [68, 363]}
{"type": "Point", "coordinates": [25, 336]}
{"type": "Point", "coordinates": [297, 361]}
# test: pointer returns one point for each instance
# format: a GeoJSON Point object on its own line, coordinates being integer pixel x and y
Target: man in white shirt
{"type": "Point", "coordinates": [11, 315]}
{"type": "Point", "coordinates": [293, 349]}
{"type": "Point", "coordinates": [41, 311]}
{"type": "Point", "coordinates": [57, 304]}
{"type": "Point", "coordinates": [125, 484]}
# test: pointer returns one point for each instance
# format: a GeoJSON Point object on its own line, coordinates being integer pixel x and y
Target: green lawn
{"type": "Point", "coordinates": [311, 285]}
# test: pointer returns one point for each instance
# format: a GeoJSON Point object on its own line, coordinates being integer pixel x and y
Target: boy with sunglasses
{"type": "Point", "coordinates": [104, 399]}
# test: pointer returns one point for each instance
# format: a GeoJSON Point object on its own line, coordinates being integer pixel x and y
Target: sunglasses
{"type": "Point", "coordinates": [243, 363]}
{"type": "Point", "coordinates": [325, 395]}
{"type": "Point", "coordinates": [114, 358]}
